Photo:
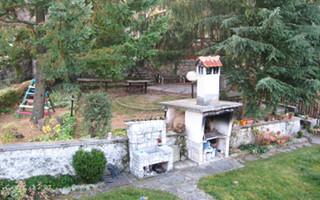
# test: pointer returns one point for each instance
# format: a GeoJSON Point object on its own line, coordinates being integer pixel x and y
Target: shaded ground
{"type": "Point", "coordinates": [294, 175]}
{"type": "Point", "coordinates": [125, 106]}
{"type": "Point", "coordinates": [138, 106]}
{"type": "Point", "coordinates": [24, 125]}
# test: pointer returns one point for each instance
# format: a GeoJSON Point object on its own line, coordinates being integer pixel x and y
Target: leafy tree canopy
{"type": "Point", "coordinates": [272, 53]}
{"type": "Point", "coordinates": [126, 34]}
{"type": "Point", "coordinates": [270, 49]}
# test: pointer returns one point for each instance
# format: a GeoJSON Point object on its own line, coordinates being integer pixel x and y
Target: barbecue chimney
{"type": "Point", "coordinates": [208, 79]}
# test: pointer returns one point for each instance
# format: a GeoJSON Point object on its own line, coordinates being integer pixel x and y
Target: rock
{"type": "Point", "coordinates": [18, 135]}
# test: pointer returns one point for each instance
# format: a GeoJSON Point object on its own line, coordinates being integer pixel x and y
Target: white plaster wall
{"type": "Point", "coordinates": [244, 135]}
{"type": "Point", "coordinates": [194, 126]}
{"type": "Point", "coordinates": [208, 86]}
{"type": "Point", "coordinates": [170, 115]}
{"type": "Point", "coordinates": [21, 161]}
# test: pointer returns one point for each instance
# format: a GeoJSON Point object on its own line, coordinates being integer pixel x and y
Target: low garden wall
{"type": "Point", "coordinates": [242, 135]}
{"type": "Point", "coordinates": [20, 161]}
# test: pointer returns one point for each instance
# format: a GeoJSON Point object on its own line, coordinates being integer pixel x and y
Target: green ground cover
{"type": "Point", "coordinates": [129, 193]}
{"type": "Point", "coordinates": [294, 175]}
{"type": "Point", "coordinates": [132, 104]}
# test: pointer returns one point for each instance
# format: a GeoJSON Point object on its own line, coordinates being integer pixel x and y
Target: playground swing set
{"type": "Point", "coordinates": [26, 106]}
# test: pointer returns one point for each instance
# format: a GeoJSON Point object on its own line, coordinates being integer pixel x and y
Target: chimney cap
{"type": "Point", "coordinates": [209, 61]}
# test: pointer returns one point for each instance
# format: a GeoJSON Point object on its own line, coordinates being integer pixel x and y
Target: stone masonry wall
{"type": "Point", "coordinates": [20, 161]}
{"type": "Point", "coordinates": [244, 135]}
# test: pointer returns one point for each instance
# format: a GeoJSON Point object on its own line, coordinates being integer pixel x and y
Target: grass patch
{"type": "Point", "coordinates": [132, 104]}
{"type": "Point", "coordinates": [294, 175]}
{"type": "Point", "coordinates": [130, 193]}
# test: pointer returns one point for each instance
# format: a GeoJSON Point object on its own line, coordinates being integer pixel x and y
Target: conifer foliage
{"type": "Point", "coordinates": [273, 52]}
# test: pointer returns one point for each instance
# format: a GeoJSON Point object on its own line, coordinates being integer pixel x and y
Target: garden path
{"type": "Point", "coordinates": [183, 183]}
{"type": "Point", "coordinates": [180, 182]}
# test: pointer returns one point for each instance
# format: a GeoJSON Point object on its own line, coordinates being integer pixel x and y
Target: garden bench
{"type": "Point", "coordinates": [143, 84]}
{"type": "Point", "coordinates": [106, 82]}
{"type": "Point", "coordinates": [171, 79]}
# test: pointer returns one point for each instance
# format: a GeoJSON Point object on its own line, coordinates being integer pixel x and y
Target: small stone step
{"type": "Point", "coordinates": [184, 164]}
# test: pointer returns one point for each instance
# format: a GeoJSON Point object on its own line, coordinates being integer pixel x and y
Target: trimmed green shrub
{"type": "Point", "coordinates": [89, 166]}
{"type": "Point", "coordinates": [97, 114]}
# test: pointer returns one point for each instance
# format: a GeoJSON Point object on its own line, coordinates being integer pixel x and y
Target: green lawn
{"type": "Point", "coordinates": [287, 176]}
{"type": "Point", "coordinates": [129, 193]}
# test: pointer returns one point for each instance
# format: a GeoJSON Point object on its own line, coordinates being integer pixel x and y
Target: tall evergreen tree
{"type": "Point", "coordinates": [57, 30]}
{"type": "Point", "coordinates": [270, 49]}
{"type": "Point", "coordinates": [272, 52]}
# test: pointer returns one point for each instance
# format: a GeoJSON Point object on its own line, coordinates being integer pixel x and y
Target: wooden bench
{"type": "Point", "coordinates": [171, 79]}
{"type": "Point", "coordinates": [106, 82]}
{"type": "Point", "coordinates": [143, 84]}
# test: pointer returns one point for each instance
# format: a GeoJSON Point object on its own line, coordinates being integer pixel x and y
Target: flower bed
{"type": "Point", "coordinates": [242, 135]}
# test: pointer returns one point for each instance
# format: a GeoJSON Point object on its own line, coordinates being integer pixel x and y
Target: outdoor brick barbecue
{"type": "Point", "coordinates": [208, 121]}
{"type": "Point", "coordinates": [149, 154]}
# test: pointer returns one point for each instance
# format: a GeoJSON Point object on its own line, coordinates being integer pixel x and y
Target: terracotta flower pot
{"type": "Point", "coordinates": [243, 122]}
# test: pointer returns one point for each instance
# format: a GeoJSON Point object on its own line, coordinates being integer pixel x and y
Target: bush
{"type": "Point", "coordinates": [300, 134]}
{"type": "Point", "coordinates": [5, 183]}
{"type": "Point", "coordinates": [97, 114]}
{"type": "Point", "coordinates": [51, 181]}
{"type": "Point", "coordinates": [8, 98]}
{"type": "Point", "coordinates": [89, 166]}
{"type": "Point", "coordinates": [58, 129]}
{"type": "Point", "coordinates": [254, 148]}
{"type": "Point", "coordinates": [7, 133]}
{"type": "Point", "coordinates": [67, 127]}
{"type": "Point", "coordinates": [11, 96]}
{"type": "Point", "coordinates": [119, 132]}
{"type": "Point", "coordinates": [62, 93]}
{"type": "Point", "coordinates": [21, 192]}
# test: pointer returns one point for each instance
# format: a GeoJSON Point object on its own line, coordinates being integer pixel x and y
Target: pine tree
{"type": "Point", "coordinates": [270, 49]}
{"type": "Point", "coordinates": [57, 30]}
{"type": "Point", "coordinates": [272, 52]}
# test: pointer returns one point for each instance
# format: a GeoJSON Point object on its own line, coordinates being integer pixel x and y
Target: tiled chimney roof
{"type": "Point", "coordinates": [210, 61]}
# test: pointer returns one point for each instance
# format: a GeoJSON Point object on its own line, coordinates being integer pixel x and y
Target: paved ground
{"type": "Point", "coordinates": [183, 183]}
{"type": "Point", "coordinates": [315, 140]}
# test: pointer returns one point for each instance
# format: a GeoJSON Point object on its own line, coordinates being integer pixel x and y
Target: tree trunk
{"type": "Point", "coordinates": [39, 97]}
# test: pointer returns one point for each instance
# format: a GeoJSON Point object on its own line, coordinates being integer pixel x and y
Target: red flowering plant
{"type": "Point", "coordinates": [269, 137]}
